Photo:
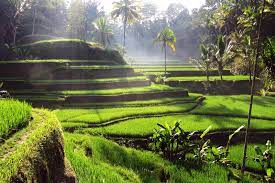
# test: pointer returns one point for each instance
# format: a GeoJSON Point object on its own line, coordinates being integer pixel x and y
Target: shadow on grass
{"type": "Point", "coordinates": [148, 166]}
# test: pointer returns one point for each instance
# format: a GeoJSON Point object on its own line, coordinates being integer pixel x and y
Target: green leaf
{"type": "Point", "coordinates": [258, 151]}
{"type": "Point", "coordinates": [215, 151]}
{"type": "Point", "coordinates": [269, 172]}
{"type": "Point", "coordinates": [236, 131]}
{"type": "Point", "coordinates": [205, 132]}
{"type": "Point", "coordinates": [268, 145]}
{"type": "Point", "coordinates": [160, 125]}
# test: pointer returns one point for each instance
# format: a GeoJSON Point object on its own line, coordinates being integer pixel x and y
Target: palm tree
{"type": "Point", "coordinates": [128, 10]}
{"type": "Point", "coordinates": [102, 27]}
{"type": "Point", "coordinates": [167, 38]}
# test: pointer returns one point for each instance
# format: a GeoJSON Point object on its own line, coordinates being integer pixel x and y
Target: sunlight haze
{"type": "Point", "coordinates": [162, 5]}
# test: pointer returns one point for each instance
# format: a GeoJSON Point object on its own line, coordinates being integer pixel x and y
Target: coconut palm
{"type": "Point", "coordinates": [168, 39]}
{"type": "Point", "coordinates": [102, 27]}
{"type": "Point", "coordinates": [128, 10]}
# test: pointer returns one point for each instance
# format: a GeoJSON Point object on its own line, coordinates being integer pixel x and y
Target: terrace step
{"type": "Point", "coordinates": [52, 86]}
{"type": "Point", "coordinates": [191, 73]}
{"type": "Point", "coordinates": [217, 87]}
{"type": "Point", "coordinates": [46, 69]}
{"type": "Point", "coordinates": [86, 73]}
{"type": "Point", "coordinates": [124, 97]}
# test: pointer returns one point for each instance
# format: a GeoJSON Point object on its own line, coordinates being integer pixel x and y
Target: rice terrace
{"type": "Point", "coordinates": [113, 91]}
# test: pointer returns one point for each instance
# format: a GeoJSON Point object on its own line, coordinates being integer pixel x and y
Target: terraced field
{"type": "Point", "coordinates": [121, 102]}
{"type": "Point", "coordinates": [195, 113]}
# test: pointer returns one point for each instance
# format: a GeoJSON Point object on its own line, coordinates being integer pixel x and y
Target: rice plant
{"type": "Point", "coordinates": [13, 116]}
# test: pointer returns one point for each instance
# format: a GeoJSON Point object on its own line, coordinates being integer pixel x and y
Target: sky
{"type": "Point", "coordinates": [162, 4]}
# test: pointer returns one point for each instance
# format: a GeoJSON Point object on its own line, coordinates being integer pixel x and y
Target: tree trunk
{"type": "Point", "coordinates": [250, 70]}
{"type": "Point", "coordinates": [34, 20]}
{"type": "Point", "coordinates": [103, 40]}
{"type": "Point", "coordinates": [124, 34]}
{"type": "Point", "coordinates": [259, 20]}
{"type": "Point", "coordinates": [165, 57]}
{"type": "Point", "coordinates": [221, 71]}
{"type": "Point", "coordinates": [14, 34]}
{"type": "Point", "coordinates": [207, 76]}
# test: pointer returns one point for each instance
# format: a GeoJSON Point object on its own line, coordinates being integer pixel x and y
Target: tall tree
{"type": "Point", "coordinates": [44, 17]}
{"type": "Point", "coordinates": [104, 30]}
{"type": "Point", "coordinates": [168, 39]}
{"type": "Point", "coordinates": [80, 15]}
{"type": "Point", "coordinates": [129, 11]}
{"type": "Point", "coordinates": [17, 8]}
{"type": "Point", "coordinates": [259, 13]}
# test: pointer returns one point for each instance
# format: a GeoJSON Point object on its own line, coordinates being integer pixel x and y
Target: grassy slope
{"type": "Point", "coordinates": [152, 88]}
{"type": "Point", "coordinates": [145, 126]}
{"type": "Point", "coordinates": [13, 116]}
{"type": "Point", "coordinates": [105, 80]}
{"type": "Point", "coordinates": [213, 105]}
{"type": "Point", "coordinates": [229, 108]}
{"type": "Point", "coordinates": [212, 78]}
{"type": "Point", "coordinates": [146, 89]}
{"type": "Point", "coordinates": [107, 114]}
{"type": "Point", "coordinates": [110, 162]}
{"type": "Point", "coordinates": [52, 61]}
{"type": "Point", "coordinates": [169, 69]}
{"type": "Point", "coordinates": [139, 103]}
{"type": "Point", "coordinates": [264, 107]}
{"type": "Point", "coordinates": [25, 144]}
{"type": "Point", "coordinates": [101, 67]}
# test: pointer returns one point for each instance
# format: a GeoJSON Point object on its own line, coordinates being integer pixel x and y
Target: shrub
{"type": "Point", "coordinates": [264, 159]}
{"type": "Point", "coordinates": [173, 142]}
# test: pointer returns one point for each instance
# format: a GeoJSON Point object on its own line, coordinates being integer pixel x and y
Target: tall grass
{"type": "Point", "coordinates": [13, 116]}
{"type": "Point", "coordinates": [96, 159]}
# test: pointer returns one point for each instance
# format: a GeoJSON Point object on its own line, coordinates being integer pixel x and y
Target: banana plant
{"type": "Point", "coordinates": [263, 158]}
{"type": "Point", "coordinates": [173, 141]}
{"type": "Point", "coordinates": [224, 53]}
{"type": "Point", "coordinates": [201, 153]}
{"type": "Point", "coordinates": [221, 153]}
{"type": "Point", "coordinates": [205, 63]}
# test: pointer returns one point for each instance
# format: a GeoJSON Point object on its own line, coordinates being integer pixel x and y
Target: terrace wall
{"type": "Point", "coordinates": [125, 97]}
{"type": "Point", "coordinates": [38, 155]}
{"type": "Point", "coordinates": [16, 85]}
{"type": "Point", "coordinates": [46, 70]}
{"type": "Point", "coordinates": [196, 73]}
{"type": "Point", "coordinates": [217, 87]}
